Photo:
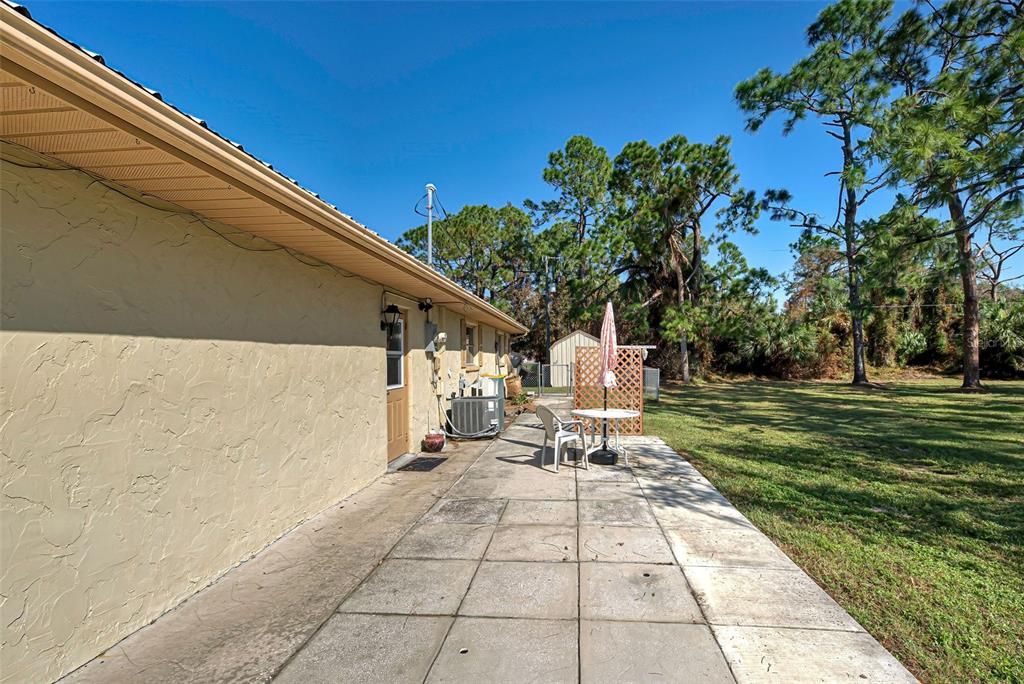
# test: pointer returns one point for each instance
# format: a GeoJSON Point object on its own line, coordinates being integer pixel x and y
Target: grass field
{"type": "Point", "coordinates": [906, 504]}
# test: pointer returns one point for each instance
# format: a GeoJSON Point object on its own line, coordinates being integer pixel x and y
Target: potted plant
{"type": "Point", "coordinates": [433, 442]}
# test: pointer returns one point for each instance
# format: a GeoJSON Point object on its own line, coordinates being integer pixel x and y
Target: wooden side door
{"type": "Point", "coordinates": [397, 390]}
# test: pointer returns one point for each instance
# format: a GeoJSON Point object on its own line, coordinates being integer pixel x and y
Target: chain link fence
{"type": "Point", "coordinates": [558, 379]}
{"type": "Point", "coordinates": [652, 383]}
{"type": "Point", "coordinates": [547, 378]}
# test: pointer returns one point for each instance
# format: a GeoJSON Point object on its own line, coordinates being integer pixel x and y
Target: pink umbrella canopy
{"type": "Point", "coordinates": [609, 349]}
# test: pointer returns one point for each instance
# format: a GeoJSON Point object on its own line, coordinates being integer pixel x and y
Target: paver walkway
{"type": "Point", "coordinates": [518, 574]}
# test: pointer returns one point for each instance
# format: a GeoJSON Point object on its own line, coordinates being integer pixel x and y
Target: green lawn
{"type": "Point", "coordinates": [905, 504]}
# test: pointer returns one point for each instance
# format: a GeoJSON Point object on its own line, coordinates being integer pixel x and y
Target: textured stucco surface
{"type": "Point", "coordinates": [442, 371]}
{"type": "Point", "coordinates": [171, 403]}
{"type": "Point", "coordinates": [424, 413]}
{"type": "Point", "coordinates": [246, 625]}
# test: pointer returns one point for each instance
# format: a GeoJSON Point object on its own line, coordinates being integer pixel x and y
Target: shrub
{"type": "Point", "coordinates": [1002, 337]}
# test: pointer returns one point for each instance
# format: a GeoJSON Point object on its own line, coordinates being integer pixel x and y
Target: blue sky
{"type": "Point", "coordinates": [365, 103]}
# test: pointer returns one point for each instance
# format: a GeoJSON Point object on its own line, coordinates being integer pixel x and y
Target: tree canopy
{"type": "Point", "coordinates": [923, 106]}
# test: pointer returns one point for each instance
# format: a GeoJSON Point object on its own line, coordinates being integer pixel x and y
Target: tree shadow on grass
{"type": "Point", "coordinates": [957, 433]}
{"type": "Point", "coordinates": [916, 462]}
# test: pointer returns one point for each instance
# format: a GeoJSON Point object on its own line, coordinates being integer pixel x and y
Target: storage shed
{"type": "Point", "coordinates": [563, 356]}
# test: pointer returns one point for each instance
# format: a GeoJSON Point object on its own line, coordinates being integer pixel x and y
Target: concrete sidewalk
{"type": "Point", "coordinates": [515, 573]}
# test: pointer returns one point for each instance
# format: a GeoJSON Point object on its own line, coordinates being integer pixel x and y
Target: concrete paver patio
{"type": "Point", "coordinates": [493, 569]}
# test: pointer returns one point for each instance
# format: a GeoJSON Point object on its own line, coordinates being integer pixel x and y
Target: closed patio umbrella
{"type": "Point", "coordinates": [609, 352]}
{"type": "Point", "coordinates": [606, 378]}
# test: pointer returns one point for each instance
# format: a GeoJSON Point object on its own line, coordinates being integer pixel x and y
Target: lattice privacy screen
{"type": "Point", "coordinates": [629, 373]}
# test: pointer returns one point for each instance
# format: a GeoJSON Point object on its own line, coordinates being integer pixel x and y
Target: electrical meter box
{"type": "Point", "coordinates": [429, 335]}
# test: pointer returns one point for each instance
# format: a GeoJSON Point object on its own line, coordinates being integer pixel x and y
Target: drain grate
{"type": "Point", "coordinates": [423, 464]}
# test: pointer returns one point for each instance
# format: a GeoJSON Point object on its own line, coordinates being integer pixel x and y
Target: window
{"type": "Point", "coordinates": [470, 346]}
{"type": "Point", "coordinates": [500, 349]}
{"type": "Point", "coordinates": [395, 353]}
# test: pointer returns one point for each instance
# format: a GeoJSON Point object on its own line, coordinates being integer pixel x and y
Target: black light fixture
{"type": "Point", "coordinates": [391, 314]}
{"type": "Point", "coordinates": [427, 304]}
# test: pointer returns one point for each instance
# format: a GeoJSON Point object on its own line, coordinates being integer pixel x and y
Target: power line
{"type": "Point", "coordinates": [416, 207]}
{"type": "Point", "coordinates": [441, 206]}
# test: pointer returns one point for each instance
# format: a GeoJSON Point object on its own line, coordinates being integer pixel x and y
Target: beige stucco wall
{"type": "Point", "coordinates": [171, 403]}
{"type": "Point", "coordinates": [452, 323]}
{"type": "Point", "coordinates": [429, 372]}
{"type": "Point", "coordinates": [422, 405]}
{"type": "Point", "coordinates": [445, 370]}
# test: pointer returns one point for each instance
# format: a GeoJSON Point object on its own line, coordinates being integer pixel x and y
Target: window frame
{"type": "Point", "coordinates": [470, 361]}
{"type": "Point", "coordinates": [500, 348]}
{"type": "Point", "coordinates": [400, 355]}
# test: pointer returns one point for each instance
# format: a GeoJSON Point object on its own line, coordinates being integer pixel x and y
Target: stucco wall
{"type": "Point", "coordinates": [424, 410]}
{"type": "Point", "coordinates": [171, 403]}
{"type": "Point", "coordinates": [422, 405]}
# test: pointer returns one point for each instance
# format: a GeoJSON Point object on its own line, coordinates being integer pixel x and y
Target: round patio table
{"type": "Point", "coordinates": [609, 456]}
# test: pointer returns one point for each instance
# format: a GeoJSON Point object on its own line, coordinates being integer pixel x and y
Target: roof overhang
{"type": "Point", "coordinates": [60, 101]}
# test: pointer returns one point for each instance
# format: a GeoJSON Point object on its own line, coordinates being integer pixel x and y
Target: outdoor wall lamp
{"type": "Point", "coordinates": [391, 314]}
{"type": "Point", "coordinates": [426, 305]}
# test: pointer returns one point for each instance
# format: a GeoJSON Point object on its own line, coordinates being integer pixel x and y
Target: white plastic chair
{"type": "Point", "coordinates": [561, 433]}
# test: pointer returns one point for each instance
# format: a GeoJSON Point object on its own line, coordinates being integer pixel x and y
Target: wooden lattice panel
{"type": "Point", "coordinates": [629, 394]}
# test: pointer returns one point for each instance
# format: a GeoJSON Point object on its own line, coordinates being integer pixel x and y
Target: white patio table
{"type": "Point", "coordinates": [606, 415]}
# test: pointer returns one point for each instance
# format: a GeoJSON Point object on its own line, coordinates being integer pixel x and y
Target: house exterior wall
{"type": "Point", "coordinates": [563, 356]}
{"type": "Point", "coordinates": [422, 401]}
{"type": "Point", "coordinates": [171, 403]}
{"type": "Point", "coordinates": [437, 376]}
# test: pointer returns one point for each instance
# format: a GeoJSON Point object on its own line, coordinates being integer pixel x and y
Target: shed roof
{"type": "Point", "coordinates": [65, 102]}
{"type": "Point", "coordinates": [575, 332]}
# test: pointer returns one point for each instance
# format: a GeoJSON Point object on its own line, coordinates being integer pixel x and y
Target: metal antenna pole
{"type": "Point", "coordinates": [547, 314]}
{"type": "Point", "coordinates": [547, 310]}
{"type": "Point", "coordinates": [547, 329]}
{"type": "Point", "coordinates": [430, 224]}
